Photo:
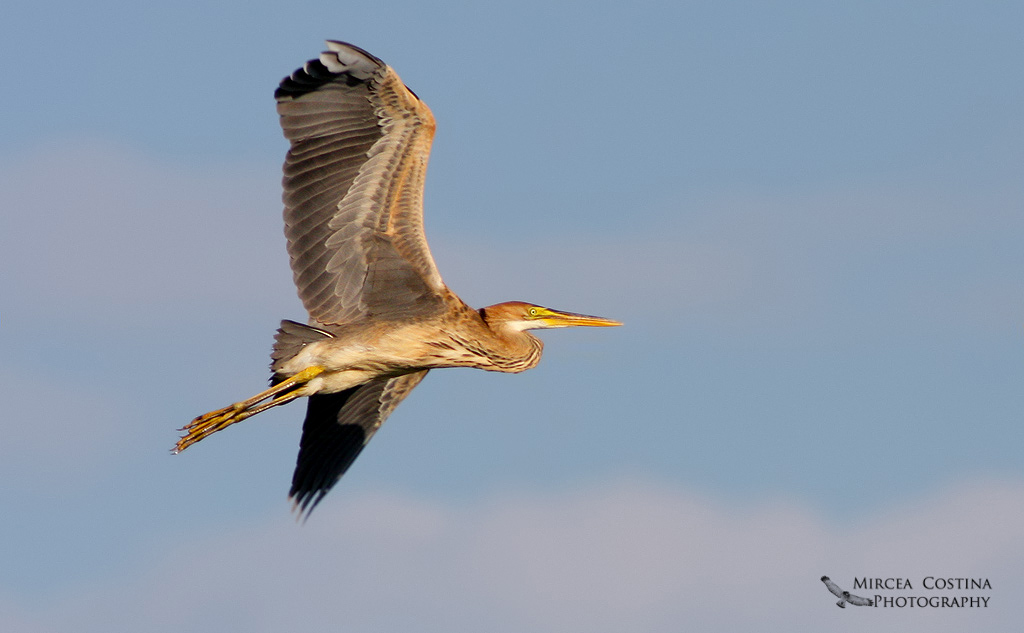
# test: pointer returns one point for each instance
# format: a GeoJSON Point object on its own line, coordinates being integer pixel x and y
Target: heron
{"type": "Point", "coordinates": [380, 317]}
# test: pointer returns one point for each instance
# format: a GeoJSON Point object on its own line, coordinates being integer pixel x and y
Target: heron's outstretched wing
{"type": "Point", "coordinates": [337, 427]}
{"type": "Point", "coordinates": [353, 189]}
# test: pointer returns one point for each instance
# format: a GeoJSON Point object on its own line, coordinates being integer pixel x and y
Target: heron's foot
{"type": "Point", "coordinates": [209, 423]}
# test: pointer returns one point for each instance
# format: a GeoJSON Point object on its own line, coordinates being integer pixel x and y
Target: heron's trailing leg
{"type": "Point", "coordinates": [209, 423]}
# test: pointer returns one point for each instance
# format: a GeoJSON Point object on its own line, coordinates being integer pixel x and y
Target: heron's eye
{"type": "Point", "coordinates": [533, 311]}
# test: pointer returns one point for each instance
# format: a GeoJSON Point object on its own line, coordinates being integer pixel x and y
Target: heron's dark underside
{"type": "Point", "coordinates": [380, 317]}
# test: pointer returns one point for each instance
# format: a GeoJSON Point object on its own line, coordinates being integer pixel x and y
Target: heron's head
{"type": "Point", "coordinates": [519, 316]}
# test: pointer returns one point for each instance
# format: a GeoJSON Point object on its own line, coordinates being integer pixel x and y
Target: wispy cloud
{"type": "Point", "coordinates": [879, 261]}
{"type": "Point", "coordinates": [100, 230]}
{"type": "Point", "coordinates": [627, 556]}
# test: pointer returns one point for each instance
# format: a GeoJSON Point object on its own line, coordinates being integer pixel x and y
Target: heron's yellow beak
{"type": "Point", "coordinates": [556, 318]}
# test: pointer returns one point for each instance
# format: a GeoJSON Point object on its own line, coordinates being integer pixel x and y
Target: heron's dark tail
{"type": "Point", "coordinates": [291, 337]}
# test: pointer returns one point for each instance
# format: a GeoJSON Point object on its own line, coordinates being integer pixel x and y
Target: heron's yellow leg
{"type": "Point", "coordinates": [209, 423]}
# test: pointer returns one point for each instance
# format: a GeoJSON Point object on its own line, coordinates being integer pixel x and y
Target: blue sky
{"type": "Point", "coordinates": [809, 215]}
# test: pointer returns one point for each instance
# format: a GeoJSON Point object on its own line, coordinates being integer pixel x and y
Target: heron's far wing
{"type": "Point", "coordinates": [337, 427]}
{"type": "Point", "coordinates": [858, 601]}
{"type": "Point", "coordinates": [353, 189]}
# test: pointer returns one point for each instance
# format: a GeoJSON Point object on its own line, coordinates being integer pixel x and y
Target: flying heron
{"type": "Point", "coordinates": [380, 317]}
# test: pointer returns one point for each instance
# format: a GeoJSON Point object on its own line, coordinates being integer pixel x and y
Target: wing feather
{"type": "Point", "coordinates": [337, 427]}
{"type": "Point", "coordinates": [353, 190]}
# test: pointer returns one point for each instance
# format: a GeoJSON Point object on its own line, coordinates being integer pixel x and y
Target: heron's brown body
{"type": "Point", "coordinates": [380, 317]}
{"type": "Point", "coordinates": [462, 337]}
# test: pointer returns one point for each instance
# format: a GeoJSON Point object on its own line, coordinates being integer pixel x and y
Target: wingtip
{"type": "Point", "coordinates": [303, 505]}
{"type": "Point", "coordinates": [348, 56]}
{"type": "Point", "coordinates": [340, 59]}
{"type": "Point", "coordinates": [300, 515]}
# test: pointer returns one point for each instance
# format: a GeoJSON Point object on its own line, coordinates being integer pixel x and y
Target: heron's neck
{"type": "Point", "coordinates": [512, 350]}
